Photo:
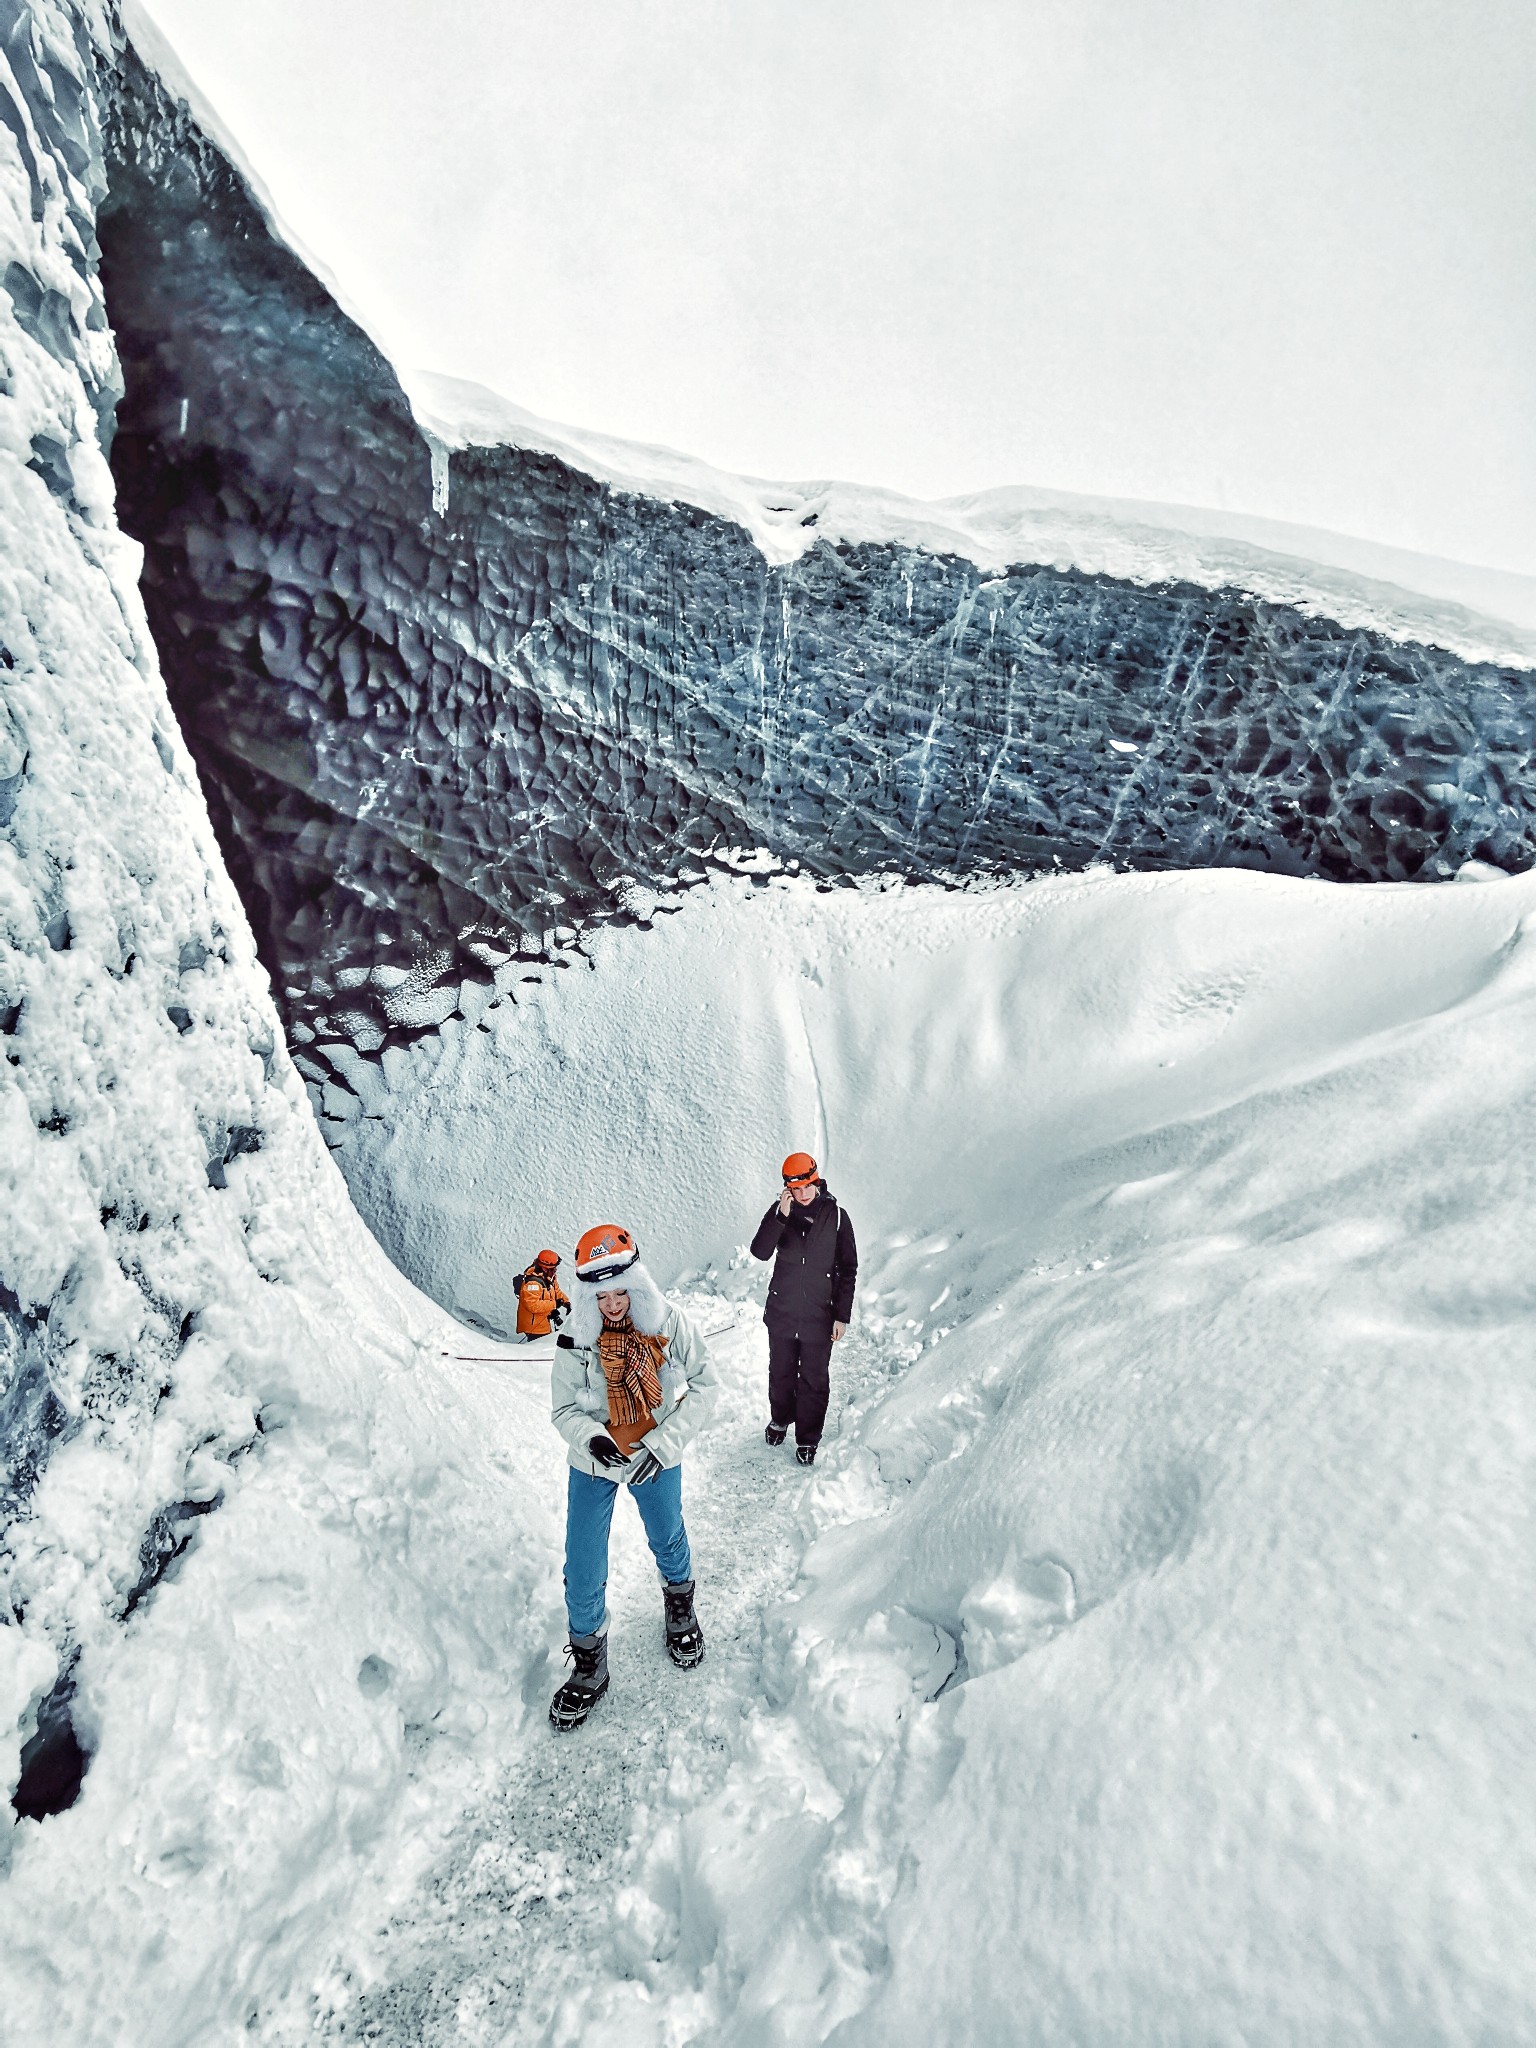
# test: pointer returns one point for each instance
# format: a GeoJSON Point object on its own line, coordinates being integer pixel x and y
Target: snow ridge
{"type": "Point", "coordinates": [1479, 614]}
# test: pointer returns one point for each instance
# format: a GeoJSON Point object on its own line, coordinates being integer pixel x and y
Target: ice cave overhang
{"type": "Point", "coordinates": [456, 679]}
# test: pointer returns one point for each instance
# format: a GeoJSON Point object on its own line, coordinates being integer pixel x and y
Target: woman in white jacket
{"type": "Point", "coordinates": [632, 1382]}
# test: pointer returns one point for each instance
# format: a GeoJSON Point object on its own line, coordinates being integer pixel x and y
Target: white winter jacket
{"type": "Point", "coordinates": [690, 1386]}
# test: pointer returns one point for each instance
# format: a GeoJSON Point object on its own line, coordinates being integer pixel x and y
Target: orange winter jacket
{"type": "Point", "coordinates": [538, 1302]}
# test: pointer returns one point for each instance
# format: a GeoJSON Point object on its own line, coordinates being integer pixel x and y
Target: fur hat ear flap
{"type": "Point", "coordinates": [586, 1318]}
{"type": "Point", "coordinates": [647, 1305]}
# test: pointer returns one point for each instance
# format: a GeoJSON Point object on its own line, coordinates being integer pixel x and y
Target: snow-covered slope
{"type": "Point", "coordinates": [944, 1048]}
{"type": "Point", "coordinates": [1162, 1662]}
{"type": "Point", "coordinates": [260, 1567]}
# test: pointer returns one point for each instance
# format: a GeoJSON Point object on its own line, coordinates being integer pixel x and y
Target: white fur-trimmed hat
{"type": "Point", "coordinates": [647, 1305]}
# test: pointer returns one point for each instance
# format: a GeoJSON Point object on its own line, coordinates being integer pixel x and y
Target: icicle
{"type": "Point", "coordinates": [439, 475]}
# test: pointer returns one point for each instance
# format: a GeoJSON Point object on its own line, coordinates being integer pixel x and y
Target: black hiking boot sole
{"type": "Point", "coordinates": [572, 1704]}
{"type": "Point", "coordinates": [686, 1651]}
{"type": "Point", "coordinates": [774, 1435]}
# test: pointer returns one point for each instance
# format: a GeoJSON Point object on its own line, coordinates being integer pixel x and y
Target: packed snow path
{"type": "Point", "coordinates": [533, 1904]}
{"type": "Point", "coordinates": [1210, 1346]}
{"type": "Point", "coordinates": [1222, 1186]}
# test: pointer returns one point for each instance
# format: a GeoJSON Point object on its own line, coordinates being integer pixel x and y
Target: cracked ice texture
{"type": "Point", "coordinates": [441, 705]}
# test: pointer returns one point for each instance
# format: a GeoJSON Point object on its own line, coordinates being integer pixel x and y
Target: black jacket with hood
{"type": "Point", "coordinates": [815, 1263]}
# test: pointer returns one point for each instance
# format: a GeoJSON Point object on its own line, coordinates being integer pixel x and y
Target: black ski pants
{"type": "Point", "coordinates": [800, 1379]}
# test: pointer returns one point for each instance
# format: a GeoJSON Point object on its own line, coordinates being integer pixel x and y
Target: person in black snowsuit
{"type": "Point", "coordinates": [808, 1236]}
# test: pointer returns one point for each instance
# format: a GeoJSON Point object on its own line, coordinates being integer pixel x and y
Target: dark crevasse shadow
{"type": "Point", "coordinates": [53, 1759]}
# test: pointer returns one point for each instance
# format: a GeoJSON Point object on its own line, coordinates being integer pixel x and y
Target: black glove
{"type": "Point", "coordinates": [564, 1343]}
{"type": "Point", "coordinates": [644, 1468]}
{"type": "Point", "coordinates": [606, 1452]}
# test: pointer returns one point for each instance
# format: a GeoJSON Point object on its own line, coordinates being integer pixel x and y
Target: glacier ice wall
{"type": "Point", "coordinates": [141, 1051]}
{"type": "Point", "coordinates": [444, 705]}
{"type": "Point", "coordinates": [142, 1056]}
{"type": "Point", "coordinates": [242, 1616]}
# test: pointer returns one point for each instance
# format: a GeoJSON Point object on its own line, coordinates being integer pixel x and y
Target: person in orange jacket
{"type": "Point", "coordinates": [541, 1304]}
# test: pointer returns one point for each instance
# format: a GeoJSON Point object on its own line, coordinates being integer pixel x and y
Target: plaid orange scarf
{"type": "Point", "coordinates": [632, 1368]}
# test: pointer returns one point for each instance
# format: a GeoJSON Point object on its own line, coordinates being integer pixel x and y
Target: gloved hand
{"type": "Point", "coordinates": [644, 1467]}
{"type": "Point", "coordinates": [606, 1452]}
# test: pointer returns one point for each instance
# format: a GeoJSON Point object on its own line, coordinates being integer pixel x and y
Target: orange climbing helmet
{"type": "Point", "coordinates": [603, 1252]}
{"type": "Point", "coordinates": [800, 1170]}
{"type": "Point", "coordinates": [548, 1260]}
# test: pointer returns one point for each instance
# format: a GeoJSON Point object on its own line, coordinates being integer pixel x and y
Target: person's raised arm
{"type": "Point", "coordinates": [770, 1232]}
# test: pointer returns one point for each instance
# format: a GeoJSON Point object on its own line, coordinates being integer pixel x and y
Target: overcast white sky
{"type": "Point", "coordinates": [1272, 255]}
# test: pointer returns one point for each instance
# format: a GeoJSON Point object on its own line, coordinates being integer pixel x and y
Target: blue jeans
{"type": "Point", "coordinates": [588, 1514]}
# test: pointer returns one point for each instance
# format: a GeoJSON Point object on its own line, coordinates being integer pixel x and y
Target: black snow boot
{"type": "Point", "coordinates": [775, 1433]}
{"type": "Point", "coordinates": [805, 1454]}
{"type": "Point", "coordinates": [585, 1686]}
{"type": "Point", "coordinates": [685, 1639]}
